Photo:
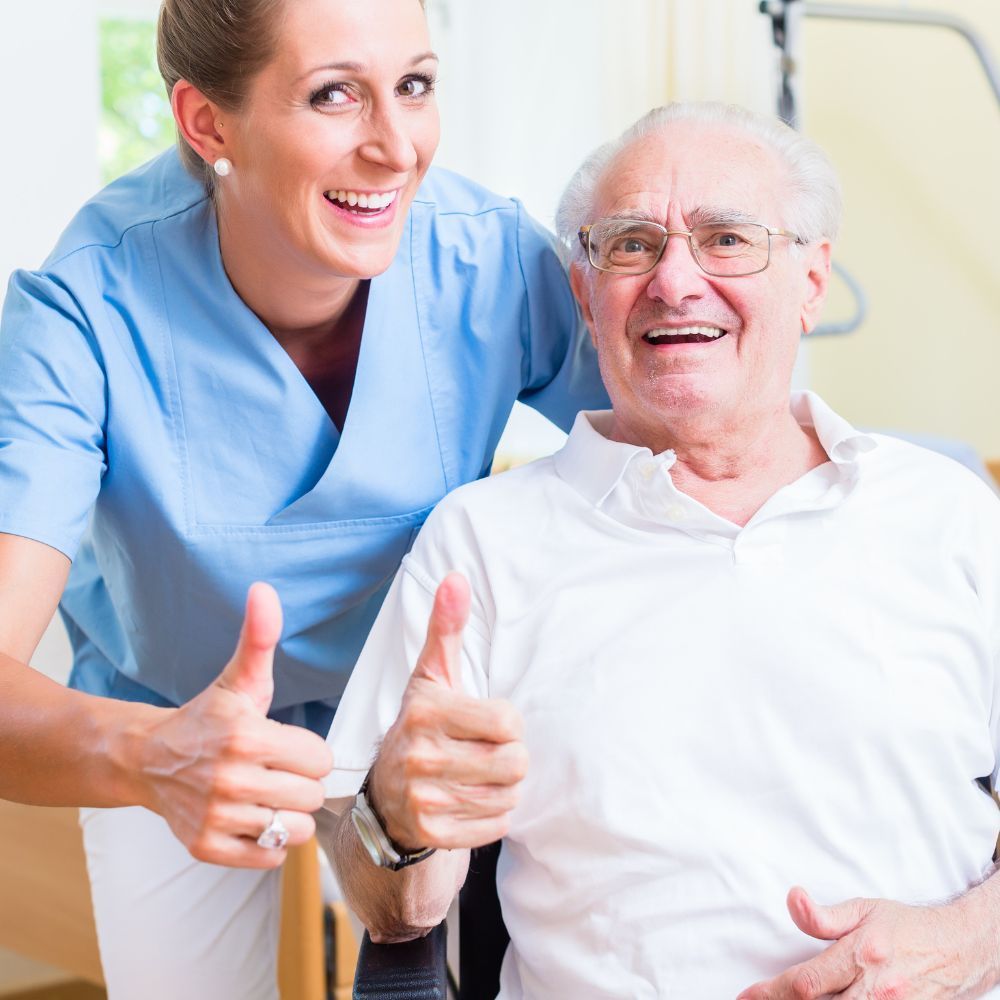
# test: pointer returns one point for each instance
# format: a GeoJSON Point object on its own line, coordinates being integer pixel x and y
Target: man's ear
{"type": "Point", "coordinates": [198, 120]}
{"type": "Point", "coordinates": [580, 283]}
{"type": "Point", "coordinates": [817, 280]}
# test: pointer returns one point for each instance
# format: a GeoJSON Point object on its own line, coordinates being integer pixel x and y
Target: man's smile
{"type": "Point", "coordinates": [693, 334]}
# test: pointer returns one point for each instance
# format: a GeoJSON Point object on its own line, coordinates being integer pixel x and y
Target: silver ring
{"type": "Point", "coordinates": [275, 834]}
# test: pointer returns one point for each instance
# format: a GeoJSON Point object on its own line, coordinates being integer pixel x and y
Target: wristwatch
{"type": "Point", "coordinates": [371, 832]}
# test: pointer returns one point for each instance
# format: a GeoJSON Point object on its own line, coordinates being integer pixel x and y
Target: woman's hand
{"type": "Point", "coordinates": [217, 768]}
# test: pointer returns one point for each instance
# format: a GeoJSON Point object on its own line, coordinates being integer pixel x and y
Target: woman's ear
{"type": "Point", "coordinates": [198, 120]}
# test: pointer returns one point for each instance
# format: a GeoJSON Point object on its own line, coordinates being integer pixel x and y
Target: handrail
{"type": "Point", "coordinates": [932, 18]}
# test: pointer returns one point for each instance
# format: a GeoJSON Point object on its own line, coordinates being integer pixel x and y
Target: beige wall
{"type": "Point", "coordinates": [914, 129]}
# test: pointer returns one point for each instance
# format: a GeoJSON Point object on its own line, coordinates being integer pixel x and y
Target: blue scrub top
{"type": "Point", "coordinates": [153, 430]}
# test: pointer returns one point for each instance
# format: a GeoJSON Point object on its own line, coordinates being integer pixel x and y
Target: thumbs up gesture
{"type": "Point", "coordinates": [449, 769]}
{"type": "Point", "coordinates": [217, 768]}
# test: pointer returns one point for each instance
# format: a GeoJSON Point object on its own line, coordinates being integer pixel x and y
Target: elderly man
{"type": "Point", "coordinates": [746, 646]}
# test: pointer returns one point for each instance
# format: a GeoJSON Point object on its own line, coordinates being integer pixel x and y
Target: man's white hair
{"type": "Point", "coordinates": [814, 198]}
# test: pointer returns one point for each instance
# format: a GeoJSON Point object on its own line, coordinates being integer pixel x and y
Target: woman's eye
{"type": "Point", "coordinates": [416, 86]}
{"type": "Point", "coordinates": [332, 95]}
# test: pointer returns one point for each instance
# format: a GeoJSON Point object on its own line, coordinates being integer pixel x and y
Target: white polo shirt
{"type": "Point", "coordinates": [713, 713]}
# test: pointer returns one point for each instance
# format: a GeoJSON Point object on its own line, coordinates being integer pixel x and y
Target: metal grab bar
{"type": "Point", "coordinates": [936, 19]}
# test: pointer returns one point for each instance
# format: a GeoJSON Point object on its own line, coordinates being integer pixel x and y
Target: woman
{"type": "Point", "coordinates": [269, 366]}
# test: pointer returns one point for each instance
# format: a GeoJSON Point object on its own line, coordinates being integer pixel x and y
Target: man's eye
{"type": "Point", "coordinates": [726, 240]}
{"type": "Point", "coordinates": [629, 244]}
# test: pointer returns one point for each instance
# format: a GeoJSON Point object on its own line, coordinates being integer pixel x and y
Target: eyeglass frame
{"type": "Point", "coordinates": [583, 234]}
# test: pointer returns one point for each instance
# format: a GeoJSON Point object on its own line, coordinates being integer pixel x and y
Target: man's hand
{"type": "Point", "coordinates": [883, 951]}
{"type": "Point", "coordinates": [217, 768]}
{"type": "Point", "coordinates": [448, 772]}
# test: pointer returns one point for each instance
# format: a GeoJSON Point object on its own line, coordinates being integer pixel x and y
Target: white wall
{"type": "Point", "coordinates": [49, 76]}
{"type": "Point", "coordinates": [49, 79]}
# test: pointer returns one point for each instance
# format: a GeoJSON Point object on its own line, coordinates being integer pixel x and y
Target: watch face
{"type": "Point", "coordinates": [367, 836]}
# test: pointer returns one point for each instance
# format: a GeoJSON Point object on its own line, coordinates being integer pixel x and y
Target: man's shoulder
{"type": "Point", "coordinates": [506, 497]}
{"type": "Point", "coordinates": [911, 457]}
{"type": "Point", "coordinates": [480, 521]}
{"type": "Point", "coordinates": [930, 487]}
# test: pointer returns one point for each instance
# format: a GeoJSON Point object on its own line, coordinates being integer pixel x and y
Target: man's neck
{"type": "Point", "coordinates": [736, 466]}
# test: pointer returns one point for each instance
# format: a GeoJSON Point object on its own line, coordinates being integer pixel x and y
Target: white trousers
{"type": "Point", "coordinates": [170, 927]}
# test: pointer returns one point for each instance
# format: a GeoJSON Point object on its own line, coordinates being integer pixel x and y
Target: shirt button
{"type": "Point", "coordinates": [647, 469]}
{"type": "Point", "coordinates": [675, 512]}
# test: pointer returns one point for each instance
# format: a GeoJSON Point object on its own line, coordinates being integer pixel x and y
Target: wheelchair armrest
{"type": "Point", "coordinates": [413, 970]}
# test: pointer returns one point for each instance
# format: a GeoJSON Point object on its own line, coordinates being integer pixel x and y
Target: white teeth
{"type": "Point", "coordinates": [361, 199]}
{"type": "Point", "coordinates": [687, 331]}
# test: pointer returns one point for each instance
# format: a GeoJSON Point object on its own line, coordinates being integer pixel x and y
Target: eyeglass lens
{"type": "Point", "coordinates": [725, 249]}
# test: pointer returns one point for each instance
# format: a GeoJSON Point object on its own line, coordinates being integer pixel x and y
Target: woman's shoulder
{"type": "Point", "coordinates": [157, 190]}
{"type": "Point", "coordinates": [446, 193]}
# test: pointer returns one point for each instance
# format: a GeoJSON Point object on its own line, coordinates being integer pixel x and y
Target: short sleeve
{"type": "Point", "coordinates": [563, 377]}
{"type": "Point", "coordinates": [52, 414]}
{"type": "Point", "coordinates": [374, 693]}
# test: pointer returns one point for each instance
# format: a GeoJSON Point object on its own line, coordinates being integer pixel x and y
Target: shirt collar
{"type": "Point", "coordinates": [843, 443]}
{"type": "Point", "coordinates": [594, 465]}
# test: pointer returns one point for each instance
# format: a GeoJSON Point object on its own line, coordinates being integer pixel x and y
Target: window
{"type": "Point", "coordinates": [136, 122]}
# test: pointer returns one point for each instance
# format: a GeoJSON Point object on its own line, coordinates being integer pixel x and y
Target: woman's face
{"type": "Point", "coordinates": [334, 137]}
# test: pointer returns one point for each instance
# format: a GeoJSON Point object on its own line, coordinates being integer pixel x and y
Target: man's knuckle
{"type": "Point", "coordinates": [420, 802]}
{"type": "Point", "coordinates": [419, 714]}
{"type": "Point", "coordinates": [873, 950]}
{"type": "Point", "coordinates": [424, 760]}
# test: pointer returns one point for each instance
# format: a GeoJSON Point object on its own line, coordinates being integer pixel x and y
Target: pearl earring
{"type": "Point", "coordinates": [223, 167]}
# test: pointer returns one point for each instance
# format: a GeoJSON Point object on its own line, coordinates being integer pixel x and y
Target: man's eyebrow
{"type": "Point", "coordinates": [710, 216]}
{"type": "Point", "coordinates": [632, 215]}
{"type": "Point", "coordinates": [702, 216]}
{"type": "Point", "coordinates": [360, 68]}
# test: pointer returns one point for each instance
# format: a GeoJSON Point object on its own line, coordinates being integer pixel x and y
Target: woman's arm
{"type": "Point", "coordinates": [215, 768]}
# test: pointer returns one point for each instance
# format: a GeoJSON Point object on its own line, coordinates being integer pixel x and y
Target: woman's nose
{"type": "Point", "coordinates": [389, 141]}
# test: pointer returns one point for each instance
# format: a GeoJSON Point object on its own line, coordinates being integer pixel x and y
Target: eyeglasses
{"type": "Point", "coordinates": [724, 249]}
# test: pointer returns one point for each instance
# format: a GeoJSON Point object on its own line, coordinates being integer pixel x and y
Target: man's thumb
{"type": "Point", "coordinates": [441, 658]}
{"type": "Point", "coordinates": [827, 923]}
{"type": "Point", "coordinates": [250, 671]}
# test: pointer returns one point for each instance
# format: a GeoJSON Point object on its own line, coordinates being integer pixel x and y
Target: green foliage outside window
{"type": "Point", "coordinates": [136, 123]}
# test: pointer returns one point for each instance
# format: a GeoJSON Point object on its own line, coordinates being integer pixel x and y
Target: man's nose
{"type": "Point", "coordinates": [388, 141]}
{"type": "Point", "coordinates": [677, 276]}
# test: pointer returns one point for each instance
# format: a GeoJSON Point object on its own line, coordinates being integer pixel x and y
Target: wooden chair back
{"type": "Point", "coordinates": [46, 915]}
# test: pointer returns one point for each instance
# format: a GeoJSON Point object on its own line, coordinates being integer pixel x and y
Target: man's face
{"type": "Point", "coordinates": [678, 177]}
